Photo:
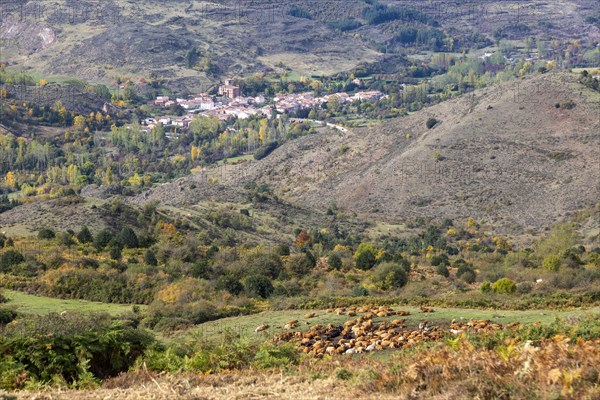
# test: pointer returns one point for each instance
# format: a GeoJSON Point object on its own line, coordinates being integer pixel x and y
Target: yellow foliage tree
{"type": "Point", "coordinates": [195, 152]}
{"type": "Point", "coordinates": [10, 179]}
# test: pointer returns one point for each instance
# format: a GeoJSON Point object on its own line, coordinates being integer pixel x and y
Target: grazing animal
{"type": "Point", "coordinates": [291, 324]}
{"type": "Point", "coordinates": [261, 328]}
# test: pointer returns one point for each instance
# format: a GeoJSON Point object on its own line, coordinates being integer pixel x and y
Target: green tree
{"type": "Point", "coordinates": [84, 235]}
{"type": "Point", "coordinates": [258, 286]}
{"type": "Point", "coordinates": [388, 276]}
{"type": "Point", "coordinates": [102, 238]}
{"type": "Point", "coordinates": [128, 237]}
{"type": "Point", "coordinates": [365, 256]}
{"type": "Point", "coordinates": [334, 261]}
{"type": "Point", "coordinates": [9, 259]}
{"type": "Point", "coordinates": [150, 258]}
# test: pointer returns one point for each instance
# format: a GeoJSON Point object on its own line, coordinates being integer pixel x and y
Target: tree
{"type": "Point", "coordinates": [230, 283]}
{"type": "Point", "coordinates": [150, 258]}
{"type": "Point", "coordinates": [102, 238]}
{"type": "Point", "coordinates": [258, 286]}
{"type": "Point", "coordinates": [365, 256]}
{"type": "Point", "coordinates": [334, 261]}
{"type": "Point", "coordinates": [10, 180]}
{"type": "Point", "coordinates": [128, 237]}
{"type": "Point", "coordinates": [115, 252]}
{"type": "Point", "coordinates": [299, 264]}
{"type": "Point", "coordinates": [10, 259]}
{"type": "Point", "coordinates": [84, 235]}
{"type": "Point", "coordinates": [431, 122]}
{"type": "Point", "coordinates": [389, 276]}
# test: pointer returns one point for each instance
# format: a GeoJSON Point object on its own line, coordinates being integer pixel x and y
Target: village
{"type": "Point", "coordinates": [230, 103]}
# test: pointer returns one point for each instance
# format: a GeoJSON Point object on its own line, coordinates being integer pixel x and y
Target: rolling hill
{"type": "Point", "coordinates": [506, 155]}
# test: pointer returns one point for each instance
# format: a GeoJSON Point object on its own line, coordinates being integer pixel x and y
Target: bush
{"type": "Point", "coordinates": [271, 355]}
{"type": "Point", "coordinates": [334, 261]}
{"type": "Point", "coordinates": [359, 291]}
{"type": "Point", "coordinates": [258, 286]}
{"type": "Point", "coordinates": [84, 235]}
{"type": "Point", "coordinates": [442, 270]}
{"type": "Point", "coordinates": [486, 287]}
{"type": "Point", "coordinates": [567, 104]}
{"type": "Point", "coordinates": [465, 271]}
{"type": "Point", "coordinates": [150, 258]}
{"type": "Point", "coordinates": [389, 276]}
{"type": "Point", "coordinates": [7, 315]}
{"type": "Point", "coordinates": [551, 263]}
{"type": "Point", "coordinates": [128, 237]}
{"type": "Point", "coordinates": [504, 285]}
{"type": "Point", "coordinates": [10, 259]}
{"type": "Point", "coordinates": [103, 238]}
{"type": "Point", "coordinates": [469, 276]}
{"type": "Point", "coordinates": [440, 260]}
{"type": "Point", "coordinates": [431, 122]}
{"type": "Point", "coordinates": [230, 283]}
{"type": "Point", "coordinates": [46, 233]}
{"type": "Point", "coordinates": [299, 264]}
{"type": "Point", "coordinates": [72, 348]}
{"type": "Point", "coordinates": [365, 256]}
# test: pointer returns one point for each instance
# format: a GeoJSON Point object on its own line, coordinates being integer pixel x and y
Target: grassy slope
{"type": "Point", "coordinates": [244, 326]}
{"type": "Point", "coordinates": [40, 305]}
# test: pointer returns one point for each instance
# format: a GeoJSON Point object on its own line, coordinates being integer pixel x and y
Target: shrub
{"type": "Point", "coordinates": [389, 276]}
{"type": "Point", "coordinates": [7, 315]}
{"type": "Point", "coordinates": [469, 276]}
{"type": "Point", "coordinates": [10, 259]}
{"type": "Point", "coordinates": [465, 271]}
{"type": "Point", "coordinates": [72, 348]}
{"type": "Point", "coordinates": [567, 104]}
{"type": "Point", "coordinates": [486, 287]}
{"type": "Point", "coordinates": [504, 285]}
{"type": "Point", "coordinates": [150, 258]}
{"type": "Point", "coordinates": [551, 263]}
{"type": "Point", "coordinates": [271, 355]}
{"type": "Point", "coordinates": [128, 237]}
{"type": "Point", "coordinates": [84, 235]}
{"type": "Point", "coordinates": [103, 238]}
{"type": "Point", "coordinates": [282, 249]}
{"type": "Point", "coordinates": [440, 260]}
{"type": "Point", "coordinates": [46, 233]}
{"type": "Point", "coordinates": [359, 291]}
{"type": "Point", "coordinates": [442, 270]}
{"type": "Point", "coordinates": [65, 238]}
{"type": "Point", "coordinates": [230, 283]}
{"type": "Point", "coordinates": [365, 256]}
{"type": "Point", "coordinates": [258, 286]}
{"type": "Point", "coordinates": [431, 122]}
{"type": "Point", "coordinates": [299, 264]}
{"type": "Point", "coordinates": [334, 261]}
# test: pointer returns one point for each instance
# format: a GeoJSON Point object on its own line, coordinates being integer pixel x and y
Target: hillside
{"type": "Point", "coordinates": [515, 164]}
{"type": "Point", "coordinates": [126, 38]}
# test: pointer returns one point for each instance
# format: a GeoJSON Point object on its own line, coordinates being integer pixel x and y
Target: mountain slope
{"type": "Point", "coordinates": [504, 154]}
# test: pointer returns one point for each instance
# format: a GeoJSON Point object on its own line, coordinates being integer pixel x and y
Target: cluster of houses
{"type": "Point", "coordinates": [286, 103]}
{"type": "Point", "coordinates": [233, 104]}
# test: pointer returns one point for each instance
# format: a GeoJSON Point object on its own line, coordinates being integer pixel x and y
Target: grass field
{"type": "Point", "coordinates": [245, 326]}
{"type": "Point", "coordinates": [39, 305]}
